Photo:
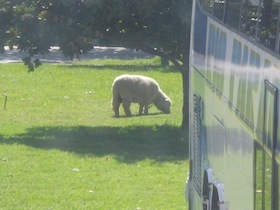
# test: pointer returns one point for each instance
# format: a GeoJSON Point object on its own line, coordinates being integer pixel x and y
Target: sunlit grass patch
{"type": "Point", "coordinates": [61, 147]}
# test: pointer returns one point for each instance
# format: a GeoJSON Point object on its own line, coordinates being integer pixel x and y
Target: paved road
{"type": "Point", "coordinates": [55, 56]}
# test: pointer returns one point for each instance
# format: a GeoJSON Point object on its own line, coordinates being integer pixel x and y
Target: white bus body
{"type": "Point", "coordinates": [235, 77]}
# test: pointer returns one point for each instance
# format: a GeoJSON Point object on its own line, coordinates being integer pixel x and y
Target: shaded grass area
{"type": "Point", "coordinates": [128, 144]}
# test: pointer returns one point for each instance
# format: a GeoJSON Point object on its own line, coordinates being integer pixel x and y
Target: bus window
{"type": "Point", "coordinates": [218, 9]}
{"type": "Point", "coordinates": [260, 20]}
{"type": "Point", "coordinates": [211, 40]}
{"type": "Point", "coordinates": [218, 51]}
{"type": "Point", "coordinates": [249, 18]}
{"type": "Point", "coordinates": [236, 61]}
{"type": "Point", "coordinates": [258, 174]}
{"type": "Point", "coordinates": [207, 5]}
{"type": "Point", "coordinates": [270, 113]}
{"type": "Point", "coordinates": [268, 182]}
{"type": "Point", "coordinates": [255, 60]}
{"type": "Point", "coordinates": [264, 193]}
{"type": "Point", "coordinates": [269, 23]}
{"type": "Point", "coordinates": [221, 53]}
{"type": "Point", "coordinates": [214, 7]}
{"type": "Point", "coordinates": [236, 52]}
{"type": "Point", "coordinates": [216, 55]}
{"type": "Point", "coordinates": [233, 13]}
{"type": "Point", "coordinates": [255, 63]}
{"type": "Point", "coordinates": [210, 51]}
{"type": "Point", "coordinates": [257, 19]}
{"type": "Point", "coordinates": [219, 62]}
{"type": "Point", "coordinates": [269, 139]}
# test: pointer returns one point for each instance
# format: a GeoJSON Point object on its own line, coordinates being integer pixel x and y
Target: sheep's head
{"type": "Point", "coordinates": [164, 105]}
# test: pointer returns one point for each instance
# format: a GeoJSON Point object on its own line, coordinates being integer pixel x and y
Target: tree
{"type": "Point", "coordinates": [159, 27]}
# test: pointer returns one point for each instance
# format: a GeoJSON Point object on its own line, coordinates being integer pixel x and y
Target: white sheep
{"type": "Point", "coordinates": [129, 89]}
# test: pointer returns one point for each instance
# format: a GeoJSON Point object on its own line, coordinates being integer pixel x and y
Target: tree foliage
{"type": "Point", "coordinates": [159, 27]}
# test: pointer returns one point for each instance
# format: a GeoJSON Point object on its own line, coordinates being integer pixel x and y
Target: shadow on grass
{"type": "Point", "coordinates": [139, 115]}
{"type": "Point", "coordinates": [127, 144]}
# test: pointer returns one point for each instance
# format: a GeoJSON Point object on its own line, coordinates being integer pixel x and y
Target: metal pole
{"type": "Point", "coordinates": [6, 99]}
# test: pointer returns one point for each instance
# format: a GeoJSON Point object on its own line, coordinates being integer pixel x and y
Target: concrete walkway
{"type": "Point", "coordinates": [56, 56]}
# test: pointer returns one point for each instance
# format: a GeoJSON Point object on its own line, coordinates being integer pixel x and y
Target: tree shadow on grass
{"type": "Point", "coordinates": [139, 115]}
{"type": "Point", "coordinates": [127, 144]}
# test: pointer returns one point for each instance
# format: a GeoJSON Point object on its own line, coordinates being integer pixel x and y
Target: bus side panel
{"type": "Point", "coordinates": [235, 151]}
{"type": "Point", "coordinates": [227, 147]}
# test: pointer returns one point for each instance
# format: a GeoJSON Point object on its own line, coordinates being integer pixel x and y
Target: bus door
{"type": "Point", "coordinates": [266, 167]}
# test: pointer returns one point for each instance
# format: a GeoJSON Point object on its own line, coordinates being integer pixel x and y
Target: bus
{"type": "Point", "coordinates": [234, 149]}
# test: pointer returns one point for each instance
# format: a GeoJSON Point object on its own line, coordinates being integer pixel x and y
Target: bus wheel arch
{"type": "Point", "coordinates": [218, 198]}
{"type": "Point", "coordinates": [212, 192]}
{"type": "Point", "coordinates": [208, 179]}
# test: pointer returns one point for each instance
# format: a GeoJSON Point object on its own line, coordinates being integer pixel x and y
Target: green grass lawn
{"type": "Point", "coordinates": [61, 147]}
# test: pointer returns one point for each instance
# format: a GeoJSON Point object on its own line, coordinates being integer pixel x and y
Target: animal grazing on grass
{"type": "Point", "coordinates": [143, 90]}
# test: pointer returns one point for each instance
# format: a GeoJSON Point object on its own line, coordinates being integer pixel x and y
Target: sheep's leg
{"type": "Point", "coordinates": [116, 108]}
{"type": "Point", "coordinates": [126, 107]}
{"type": "Point", "coordinates": [146, 109]}
{"type": "Point", "coordinates": [141, 106]}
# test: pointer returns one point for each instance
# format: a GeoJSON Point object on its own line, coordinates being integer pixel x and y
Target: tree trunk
{"type": "Point", "coordinates": [184, 69]}
{"type": "Point", "coordinates": [186, 91]}
{"type": "Point", "coordinates": [164, 62]}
